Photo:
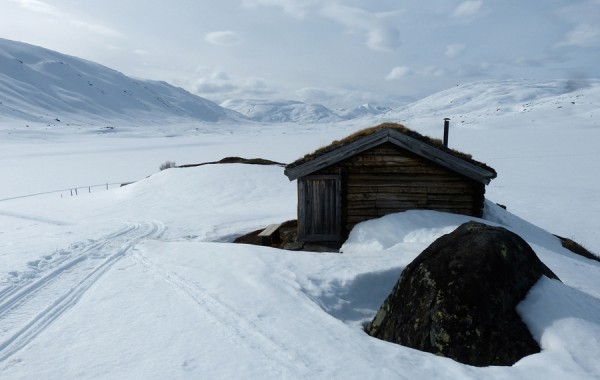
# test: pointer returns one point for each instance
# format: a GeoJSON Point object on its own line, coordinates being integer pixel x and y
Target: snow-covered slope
{"type": "Point", "coordinates": [519, 102]}
{"type": "Point", "coordinates": [40, 85]}
{"type": "Point", "coordinates": [282, 111]}
{"type": "Point", "coordinates": [363, 110]}
{"type": "Point", "coordinates": [516, 101]}
{"type": "Point", "coordinates": [142, 282]}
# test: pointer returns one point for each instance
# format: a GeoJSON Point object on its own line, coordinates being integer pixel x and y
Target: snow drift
{"type": "Point", "coordinates": [175, 302]}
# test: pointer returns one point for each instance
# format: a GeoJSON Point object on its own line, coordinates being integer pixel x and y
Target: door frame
{"type": "Point", "coordinates": [303, 209]}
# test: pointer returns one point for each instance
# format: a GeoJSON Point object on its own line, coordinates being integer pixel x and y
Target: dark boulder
{"type": "Point", "coordinates": [458, 298]}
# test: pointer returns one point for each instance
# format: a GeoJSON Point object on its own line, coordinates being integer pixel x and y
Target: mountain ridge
{"type": "Point", "coordinates": [44, 86]}
{"type": "Point", "coordinates": [38, 84]}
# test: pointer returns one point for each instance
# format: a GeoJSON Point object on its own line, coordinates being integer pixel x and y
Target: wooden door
{"type": "Point", "coordinates": [319, 208]}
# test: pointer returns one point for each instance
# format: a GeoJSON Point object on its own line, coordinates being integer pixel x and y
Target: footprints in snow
{"type": "Point", "coordinates": [37, 267]}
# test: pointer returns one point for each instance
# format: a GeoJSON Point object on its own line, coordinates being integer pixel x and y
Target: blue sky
{"type": "Point", "coordinates": [337, 52]}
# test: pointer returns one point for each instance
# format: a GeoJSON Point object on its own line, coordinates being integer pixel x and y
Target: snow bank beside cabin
{"type": "Point", "coordinates": [177, 306]}
{"type": "Point", "coordinates": [563, 317]}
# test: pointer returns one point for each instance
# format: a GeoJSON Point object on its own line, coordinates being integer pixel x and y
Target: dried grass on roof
{"type": "Point", "coordinates": [395, 126]}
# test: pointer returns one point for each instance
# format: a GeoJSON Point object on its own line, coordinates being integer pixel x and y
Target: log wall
{"type": "Point", "coordinates": [387, 179]}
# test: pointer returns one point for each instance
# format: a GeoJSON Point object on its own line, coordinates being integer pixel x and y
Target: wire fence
{"type": "Point", "coordinates": [73, 191]}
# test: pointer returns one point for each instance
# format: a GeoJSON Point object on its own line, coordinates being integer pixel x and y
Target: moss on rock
{"type": "Point", "coordinates": [458, 298]}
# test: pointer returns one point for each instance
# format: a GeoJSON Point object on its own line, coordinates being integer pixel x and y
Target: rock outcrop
{"type": "Point", "coordinates": [458, 298]}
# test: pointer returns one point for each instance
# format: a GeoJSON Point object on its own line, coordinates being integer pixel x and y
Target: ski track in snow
{"type": "Point", "coordinates": [286, 360]}
{"type": "Point", "coordinates": [34, 218]}
{"type": "Point", "coordinates": [31, 303]}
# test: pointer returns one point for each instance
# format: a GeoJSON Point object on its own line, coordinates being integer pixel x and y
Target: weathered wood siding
{"type": "Point", "coordinates": [388, 179]}
{"type": "Point", "coordinates": [319, 208]}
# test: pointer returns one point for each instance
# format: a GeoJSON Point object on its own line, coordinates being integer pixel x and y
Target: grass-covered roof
{"type": "Point", "coordinates": [437, 143]}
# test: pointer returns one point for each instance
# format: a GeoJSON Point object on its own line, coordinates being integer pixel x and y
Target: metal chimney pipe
{"type": "Point", "coordinates": [446, 130]}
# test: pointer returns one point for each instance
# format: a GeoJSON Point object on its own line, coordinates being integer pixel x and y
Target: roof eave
{"type": "Point", "coordinates": [442, 158]}
{"type": "Point", "coordinates": [401, 140]}
{"type": "Point", "coordinates": [337, 155]}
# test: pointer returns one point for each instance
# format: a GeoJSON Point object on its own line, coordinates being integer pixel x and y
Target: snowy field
{"type": "Point", "coordinates": [141, 282]}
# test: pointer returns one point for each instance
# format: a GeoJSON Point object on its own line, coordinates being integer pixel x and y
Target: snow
{"type": "Point", "coordinates": [43, 86]}
{"type": "Point", "coordinates": [164, 304]}
{"type": "Point", "coordinates": [281, 111]}
{"type": "Point", "coordinates": [363, 110]}
{"type": "Point", "coordinates": [511, 100]}
{"type": "Point", "coordinates": [287, 111]}
{"type": "Point", "coordinates": [142, 281]}
{"type": "Point", "coordinates": [40, 85]}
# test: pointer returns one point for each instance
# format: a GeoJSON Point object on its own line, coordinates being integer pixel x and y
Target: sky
{"type": "Point", "coordinates": [340, 53]}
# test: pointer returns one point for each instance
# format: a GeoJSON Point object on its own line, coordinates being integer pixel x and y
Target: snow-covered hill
{"type": "Point", "coordinates": [363, 110]}
{"type": "Point", "coordinates": [40, 85]}
{"type": "Point", "coordinates": [519, 102]}
{"type": "Point", "coordinates": [142, 282]}
{"type": "Point", "coordinates": [286, 111]}
{"type": "Point", "coordinates": [472, 104]}
{"type": "Point", "coordinates": [282, 111]}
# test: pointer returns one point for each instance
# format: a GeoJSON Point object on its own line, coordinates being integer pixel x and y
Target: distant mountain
{"type": "Point", "coordinates": [364, 110]}
{"type": "Point", "coordinates": [38, 84]}
{"type": "Point", "coordinates": [282, 111]}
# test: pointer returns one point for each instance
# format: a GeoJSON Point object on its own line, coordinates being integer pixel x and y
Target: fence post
{"type": "Point", "coordinates": [76, 191]}
{"type": "Point", "coordinates": [71, 192]}
{"type": "Point", "coordinates": [90, 189]}
{"type": "Point", "coordinates": [107, 186]}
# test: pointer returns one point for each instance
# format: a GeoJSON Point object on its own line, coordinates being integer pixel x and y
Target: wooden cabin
{"type": "Point", "coordinates": [379, 171]}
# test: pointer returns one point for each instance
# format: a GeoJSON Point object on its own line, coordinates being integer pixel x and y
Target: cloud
{"type": "Point", "coordinates": [583, 16]}
{"type": "Point", "coordinates": [335, 98]}
{"type": "Point", "coordinates": [39, 7]}
{"type": "Point", "coordinates": [47, 9]}
{"type": "Point", "coordinates": [141, 52]}
{"type": "Point", "coordinates": [350, 17]}
{"type": "Point", "coordinates": [95, 28]}
{"type": "Point", "coordinates": [385, 39]}
{"type": "Point", "coordinates": [581, 12]}
{"type": "Point", "coordinates": [583, 35]}
{"type": "Point", "coordinates": [431, 71]}
{"type": "Point", "coordinates": [255, 86]}
{"type": "Point", "coordinates": [295, 8]}
{"type": "Point", "coordinates": [316, 95]}
{"type": "Point", "coordinates": [223, 38]}
{"type": "Point", "coordinates": [380, 35]}
{"type": "Point", "coordinates": [397, 73]}
{"type": "Point", "coordinates": [217, 84]}
{"type": "Point", "coordinates": [455, 50]}
{"type": "Point", "coordinates": [529, 62]}
{"type": "Point", "coordinates": [475, 70]}
{"type": "Point", "coordinates": [467, 8]}
{"type": "Point", "coordinates": [213, 83]}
